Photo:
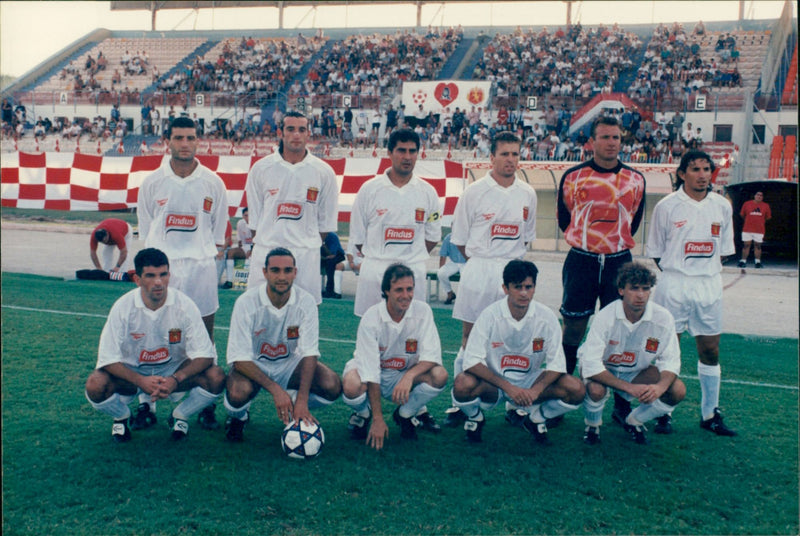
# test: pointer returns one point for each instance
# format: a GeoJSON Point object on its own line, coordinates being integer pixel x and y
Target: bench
{"type": "Point", "coordinates": [433, 277]}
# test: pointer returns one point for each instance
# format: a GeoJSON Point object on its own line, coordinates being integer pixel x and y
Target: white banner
{"type": "Point", "coordinates": [436, 96]}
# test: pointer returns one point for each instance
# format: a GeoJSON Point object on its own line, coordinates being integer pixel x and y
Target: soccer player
{"type": "Point", "coordinates": [691, 230]}
{"type": "Point", "coordinates": [183, 210]}
{"type": "Point", "coordinates": [395, 218]}
{"type": "Point", "coordinates": [154, 342]}
{"type": "Point", "coordinates": [274, 345]}
{"type": "Point", "coordinates": [292, 196]}
{"type": "Point", "coordinates": [494, 221]}
{"type": "Point", "coordinates": [755, 214]}
{"type": "Point", "coordinates": [631, 348]}
{"type": "Point", "coordinates": [398, 356]}
{"type": "Point", "coordinates": [510, 341]}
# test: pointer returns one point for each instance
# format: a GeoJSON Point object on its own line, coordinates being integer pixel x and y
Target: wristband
{"type": "Point", "coordinates": [177, 382]}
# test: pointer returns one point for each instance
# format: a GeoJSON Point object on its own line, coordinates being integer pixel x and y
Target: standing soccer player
{"type": "Point", "coordinates": [511, 341]}
{"type": "Point", "coordinates": [292, 196]}
{"type": "Point", "coordinates": [154, 342]}
{"type": "Point", "coordinates": [494, 221]}
{"type": "Point", "coordinates": [274, 345]}
{"type": "Point", "coordinates": [395, 218]}
{"type": "Point", "coordinates": [398, 356]}
{"type": "Point", "coordinates": [690, 232]}
{"type": "Point", "coordinates": [631, 348]}
{"type": "Point", "coordinates": [183, 211]}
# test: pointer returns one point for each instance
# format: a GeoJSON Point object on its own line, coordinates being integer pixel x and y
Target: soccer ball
{"type": "Point", "coordinates": [302, 441]}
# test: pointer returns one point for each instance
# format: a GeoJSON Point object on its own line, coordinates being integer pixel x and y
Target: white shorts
{"type": "Point", "coordinates": [480, 286]}
{"type": "Point", "coordinates": [198, 280]}
{"type": "Point", "coordinates": [389, 378]}
{"type": "Point", "coordinates": [279, 372]}
{"type": "Point", "coordinates": [306, 260]}
{"type": "Point", "coordinates": [624, 376]}
{"type": "Point", "coordinates": [109, 253]}
{"type": "Point", "coordinates": [368, 290]}
{"type": "Point", "coordinates": [695, 302]}
{"type": "Point", "coordinates": [758, 238]}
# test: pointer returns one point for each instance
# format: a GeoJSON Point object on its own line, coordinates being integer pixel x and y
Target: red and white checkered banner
{"type": "Point", "coordinates": [77, 181]}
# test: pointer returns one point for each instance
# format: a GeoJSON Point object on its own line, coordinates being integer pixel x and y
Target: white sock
{"type": "Point", "coordinates": [144, 398]}
{"type": "Point", "coordinates": [420, 395]}
{"type": "Point", "coordinates": [709, 387]}
{"type": "Point", "coordinates": [236, 413]}
{"type": "Point", "coordinates": [220, 268]}
{"type": "Point", "coordinates": [337, 281]}
{"type": "Point", "coordinates": [229, 270]}
{"type": "Point", "coordinates": [292, 394]}
{"type": "Point", "coordinates": [113, 406]}
{"type": "Point", "coordinates": [197, 399]}
{"type": "Point", "coordinates": [593, 410]}
{"type": "Point", "coordinates": [471, 408]}
{"type": "Point", "coordinates": [316, 401]}
{"type": "Point", "coordinates": [648, 412]}
{"type": "Point", "coordinates": [359, 404]}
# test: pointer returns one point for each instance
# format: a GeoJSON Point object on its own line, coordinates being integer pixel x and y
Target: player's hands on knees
{"type": "Point", "coordinates": [650, 394]}
{"type": "Point", "coordinates": [378, 431]}
{"type": "Point", "coordinates": [283, 405]}
{"type": "Point", "coordinates": [402, 390]}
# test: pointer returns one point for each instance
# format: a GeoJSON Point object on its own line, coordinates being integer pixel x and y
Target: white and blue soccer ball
{"type": "Point", "coordinates": [302, 440]}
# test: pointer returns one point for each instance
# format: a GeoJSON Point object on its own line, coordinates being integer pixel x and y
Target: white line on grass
{"type": "Point", "coordinates": [346, 341]}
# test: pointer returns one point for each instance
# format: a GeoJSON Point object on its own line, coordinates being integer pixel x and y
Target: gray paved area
{"type": "Point", "coordinates": [763, 302]}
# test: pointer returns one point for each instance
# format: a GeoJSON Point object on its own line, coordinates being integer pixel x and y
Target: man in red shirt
{"type": "Point", "coordinates": [755, 214]}
{"type": "Point", "coordinates": [111, 233]}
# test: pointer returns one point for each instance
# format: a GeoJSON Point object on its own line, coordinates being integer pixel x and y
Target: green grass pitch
{"type": "Point", "coordinates": [63, 475]}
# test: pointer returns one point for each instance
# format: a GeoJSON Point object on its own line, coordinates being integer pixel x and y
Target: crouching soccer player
{"type": "Point", "coordinates": [511, 340]}
{"type": "Point", "coordinates": [274, 345]}
{"type": "Point", "coordinates": [154, 341]}
{"type": "Point", "coordinates": [398, 356]}
{"type": "Point", "coordinates": [631, 348]}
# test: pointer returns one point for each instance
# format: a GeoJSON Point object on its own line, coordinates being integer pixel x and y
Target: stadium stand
{"type": "Point", "coordinates": [789, 95]}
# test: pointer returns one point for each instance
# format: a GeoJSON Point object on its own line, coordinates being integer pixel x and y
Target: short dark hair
{"type": "Point", "coordinates": [402, 135]}
{"type": "Point", "coordinates": [505, 136]}
{"type": "Point", "coordinates": [517, 271]}
{"type": "Point", "coordinates": [244, 209]}
{"type": "Point", "coordinates": [688, 157]}
{"type": "Point", "coordinates": [279, 252]}
{"type": "Point", "coordinates": [293, 113]}
{"type": "Point", "coordinates": [635, 273]}
{"type": "Point", "coordinates": [100, 234]}
{"type": "Point", "coordinates": [608, 120]}
{"type": "Point", "coordinates": [393, 273]}
{"type": "Point", "coordinates": [180, 122]}
{"type": "Point", "coordinates": [149, 257]}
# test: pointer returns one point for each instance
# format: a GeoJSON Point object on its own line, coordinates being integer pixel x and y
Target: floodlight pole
{"type": "Point", "coordinates": [153, 10]}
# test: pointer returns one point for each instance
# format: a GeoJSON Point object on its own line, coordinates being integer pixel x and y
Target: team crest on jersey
{"type": "Point", "coordinates": [625, 359]}
{"type": "Point", "coordinates": [419, 215]}
{"type": "Point", "coordinates": [174, 336]}
{"type": "Point", "coordinates": [698, 249]}
{"type": "Point", "coordinates": [398, 235]}
{"type": "Point", "coordinates": [538, 344]}
{"type": "Point", "coordinates": [185, 223]}
{"type": "Point", "coordinates": [293, 332]}
{"type": "Point", "coordinates": [525, 212]}
{"type": "Point", "coordinates": [289, 211]}
{"type": "Point", "coordinates": [162, 202]}
{"type": "Point", "coordinates": [651, 345]}
{"type": "Point", "coordinates": [715, 228]}
{"type": "Point", "coordinates": [312, 194]}
{"type": "Point", "coordinates": [154, 357]}
{"type": "Point", "coordinates": [381, 211]}
{"type": "Point", "coordinates": [394, 363]}
{"type": "Point", "coordinates": [207, 204]}
{"type": "Point", "coordinates": [273, 353]}
{"type": "Point", "coordinates": [504, 231]}
{"type": "Point", "coordinates": [411, 346]}
{"type": "Point", "coordinates": [515, 363]}
{"type": "Point", "coordinates": [137, 336]}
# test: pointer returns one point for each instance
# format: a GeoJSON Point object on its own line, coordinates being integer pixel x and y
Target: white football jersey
{"type": "Point", "coordinates": [291, 204]}
{"type": "Point", "coordinates": [383, 344]}
{"type": "Point", "coordinates": [183, 217]}
{"type": "Point", "coordinates": [244, 234]}
{"type": "Point", "coordinates": [492, 221]}
{"type": "Point", "coordinates": [515, 349]}
{"type": "Point", "coordinates": [151, 341]}
{"type": "Point", "coordinates": [690, 236]}
{"type": "Point", "coordinates": [275, 339]}
{"type": "Point", "coordinates": [393, 223]}
{"type": "Point", "coordinates": [616, 345]}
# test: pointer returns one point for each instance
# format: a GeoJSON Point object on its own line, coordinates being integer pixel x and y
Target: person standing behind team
{"type": "Point", "coordinates": [274, 345]}
{"type": "Point", "coordinates": [243, 248]}
{"type": "Point", "coordinates": [451, 261]}
{"type": "Point", "coordinates": [111, 233]}
{"type": "Point", "coordinates": [690, 232]}
{"type": "Point", "coordinates": [512, 340]}
{"type": "Point", "coordinates": [154, 342]}
{"type": "Point", "coordinates": [600, 207]}
{"type": "Point", "coordinates": [292, 196]}
{"type": "Point", "coordinates": [398, 356]}
{"type": "Point", "coordinates": [183, 211]}
{"type": "Point", "coordinates": [494, 221]}
{"type": "Point", "coordinates": [395, 217]}
{"type": "Point", "coordinates": [631, 348]}
{"type": "Point", "coordinates": [755, 214]}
